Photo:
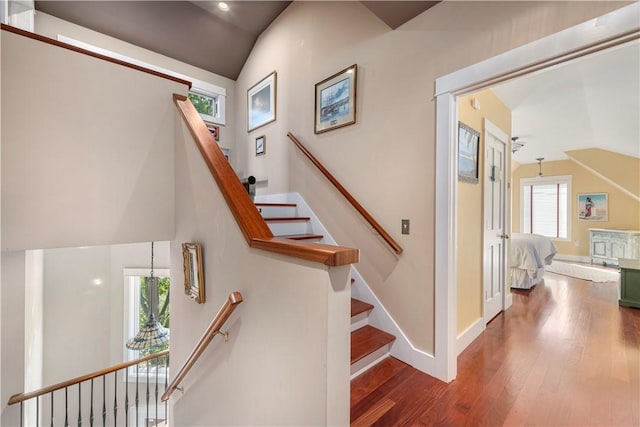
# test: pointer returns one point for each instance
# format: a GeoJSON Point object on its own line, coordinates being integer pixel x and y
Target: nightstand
{"type": "Point", "coordinates": [629, 282]}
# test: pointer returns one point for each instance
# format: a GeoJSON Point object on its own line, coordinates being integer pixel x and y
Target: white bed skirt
{"type": "Point", "coordinates": [523, 279]}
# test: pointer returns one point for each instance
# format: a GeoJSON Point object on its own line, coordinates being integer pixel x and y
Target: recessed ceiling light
{"type": "Point", "coordinates": [223, 6]}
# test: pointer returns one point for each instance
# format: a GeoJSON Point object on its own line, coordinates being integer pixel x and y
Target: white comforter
{"type": "Point", "coordinates": [531, 252]}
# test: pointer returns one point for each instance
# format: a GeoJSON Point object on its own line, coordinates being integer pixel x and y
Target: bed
{"type": "Point", "coordinates": [529, 255]}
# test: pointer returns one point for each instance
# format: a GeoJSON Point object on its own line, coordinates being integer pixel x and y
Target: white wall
{"type": "Point", "coordinates": [286, 362]}
{"type": "Point", "coordinates": [12, 329]}
{"type": "Point", "coordinates": [33, 328]}
{"type": "Point", "coordinates": [91, 280]}
{"type": "Point", "coordinates": [1, 5]}
{"type": "Point", "coordinates": [90, 143]}
{"type": "Point", "coordinates": [386, 160]}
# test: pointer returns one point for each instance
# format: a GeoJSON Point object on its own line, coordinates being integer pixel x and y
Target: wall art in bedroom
{"type": "Point", "coordinates": [593, 207]}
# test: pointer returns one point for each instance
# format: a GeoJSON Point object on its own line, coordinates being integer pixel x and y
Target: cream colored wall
{"type": "Point", "coordinates": [470, 208]}
{"type": "Point", "coordinates": [386, 160]}
{"type": "Point", "coordinates": [286, 362]}
{"type": "Point", "coordinates": [80, 126]}
{"type": "Point", "coordinates": [624, 211]}
{"type": "Point", "coordinates": [50, 26]}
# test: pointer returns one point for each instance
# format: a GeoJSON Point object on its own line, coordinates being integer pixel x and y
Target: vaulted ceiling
{"type": "Point", "coordinates": [199, 32]}
{"type": "Point", "coordinates": [591, 102]}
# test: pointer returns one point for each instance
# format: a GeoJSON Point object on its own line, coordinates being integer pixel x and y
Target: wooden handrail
{"type": "Point", "coordinates": [17, 398]}
{"type": "Point", "coordinates": [376, 226]}
{"type": "Point", "coordinates": [255, 230]}
{"type": "Point", "coordinates": [68, 46]}
{"type": "Point", "coordinates": [225, 311]}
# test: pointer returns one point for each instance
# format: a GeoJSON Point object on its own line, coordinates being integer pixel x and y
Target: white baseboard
{"type": "Point", "coordinates": [468, 335]}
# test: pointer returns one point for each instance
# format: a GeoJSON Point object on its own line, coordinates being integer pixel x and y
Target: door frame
{"type": "Point", "coordinates": [612, 29]}
{"type": "Point", "coordinates": [489, 128]}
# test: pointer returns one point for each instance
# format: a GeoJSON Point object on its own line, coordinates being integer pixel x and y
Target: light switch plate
{"type": "Point", "coordinates": [405, 226]}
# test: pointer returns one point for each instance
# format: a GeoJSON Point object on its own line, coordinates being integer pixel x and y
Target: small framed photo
{"type": "Point", "coordinates": [335, 104]}
{"type": "Point", "coordinates": [261, 102]}
{"type": "Point", "coordinates": [193, 272]}
{"type": "Point", "coordinates": [225, 151]}
{"type": "Point", "coordinates": [468, 143]}
{"type": "Point", "coordinates": [593, 207]}
{"type": "Point", "coordinates": [261, 145]}
{"type": "Point", "coordinates": [214, 130]}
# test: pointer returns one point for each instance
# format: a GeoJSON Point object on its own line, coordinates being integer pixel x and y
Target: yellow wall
{"type": "Point", "coordinates": [624, 210]}
{"type": "Point", "coordinates": [470, 202]}
{"type": "Point", "coordinates": [622, 170]}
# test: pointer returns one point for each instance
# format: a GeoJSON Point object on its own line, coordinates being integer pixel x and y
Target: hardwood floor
{"type": "Point", "coordinates": [564, 354]}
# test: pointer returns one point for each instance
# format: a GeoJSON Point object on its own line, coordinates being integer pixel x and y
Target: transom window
{"type": "Point", "coordinates": [545, 206]}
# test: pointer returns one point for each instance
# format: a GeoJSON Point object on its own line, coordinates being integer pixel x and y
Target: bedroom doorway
{"type": "Point", "coordinates": [610, 30]}
{"type": "Point", "coordinates": [496, 209]}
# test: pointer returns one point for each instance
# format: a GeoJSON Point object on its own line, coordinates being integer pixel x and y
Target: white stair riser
{"type": "Point", "coordinates": [369, 360]}
{"type": "Point", "coordinates": [285, 228]}
{"type": "Point", "coordinates": [278, 211]}
{"type": "Point", "coordinates": [359, 321]}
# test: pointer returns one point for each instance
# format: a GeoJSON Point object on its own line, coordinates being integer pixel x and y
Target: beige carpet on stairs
{"type": "Point", "coordinates": [583, 271]}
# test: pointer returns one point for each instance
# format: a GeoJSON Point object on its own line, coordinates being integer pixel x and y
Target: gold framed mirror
{"type": "Point", "coordinates": [193, 272]}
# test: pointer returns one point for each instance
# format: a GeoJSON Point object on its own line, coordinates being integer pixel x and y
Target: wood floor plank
{"type": "Point", "coordinates": [374, 413]}
{"type": "Point", "coordinates": [564, 354]}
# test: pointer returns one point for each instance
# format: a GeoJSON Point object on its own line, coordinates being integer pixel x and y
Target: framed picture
{"type": "Point", "coordinates": [225, 151]}
{"type": "Point", "coordinates": [593, 207]}
{"type": "Point", "coordinates": [261, 102]}
{"type": "Point", "coordinates": [215, 131]}
{"type": "Point", "coordinates": [468, 143]}
{"type": "Point", "coordinates": [261, 145]}
{"type": "Point", "coordinates": [193, 272]}
{"type": "Point", "coordinates": [336, 100]}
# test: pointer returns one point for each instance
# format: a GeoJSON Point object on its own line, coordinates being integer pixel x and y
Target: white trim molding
{"type": "Point", "coordinates": [467, 336]}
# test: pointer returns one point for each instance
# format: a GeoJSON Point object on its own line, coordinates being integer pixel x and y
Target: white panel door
{"type": "Point", "coordinates": [494, 235]}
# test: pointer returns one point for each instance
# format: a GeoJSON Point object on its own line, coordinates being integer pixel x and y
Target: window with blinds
{"type": "Point", "coordinates": [545, 206]}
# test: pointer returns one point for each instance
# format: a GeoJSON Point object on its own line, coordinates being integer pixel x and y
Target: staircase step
{"type": "Point", "coordinates": [277, 209]}
{"type": "Point", "coordinates": [359, 307]}
{"type": "Point", "coordinates": [287, 219]}
{"type": "Point", "coordinates": [302, 236]}
{"type": "Point", "coordinates": [367, 340]}
{"type": "Point", "coordinates": [293, 205]}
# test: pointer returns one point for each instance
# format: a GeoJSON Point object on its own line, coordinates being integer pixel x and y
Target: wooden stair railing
{"type": "Point", "coordinates": [120, 409]}
{"type": "Point", "coordinates": [255, 230]}
{"type": "Point", "coordinates": [358, 207]}
{"type": "Point", "coordinates": [218, 321]}
{"type": "Point", "coordinates": [17, 398]}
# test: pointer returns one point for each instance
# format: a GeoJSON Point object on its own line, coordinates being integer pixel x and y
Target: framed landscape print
{"type": "Point", "coordinates": [336, 100]}
{"type": "Point", "coordinates": [468, 142]}
{"type": "Point", "coordinates": [593, 207]}
{"type": "Point", "coordinates": [261, 102]}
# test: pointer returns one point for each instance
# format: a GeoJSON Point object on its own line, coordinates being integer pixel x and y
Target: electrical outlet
{"type": "Point", "coordinates": [405, 226]}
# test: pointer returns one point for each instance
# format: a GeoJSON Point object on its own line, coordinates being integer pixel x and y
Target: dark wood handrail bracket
{"type": "Point", "coordinates": [17, 398]}
{"type": "Point", "coordinates": [254, 228]}
{"type": "Point", "coordinates": [358, 207]}
{"type": "Point", "coordinates": [218, 321]}
{"type": "Point", "coordinates": [106, 58]}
